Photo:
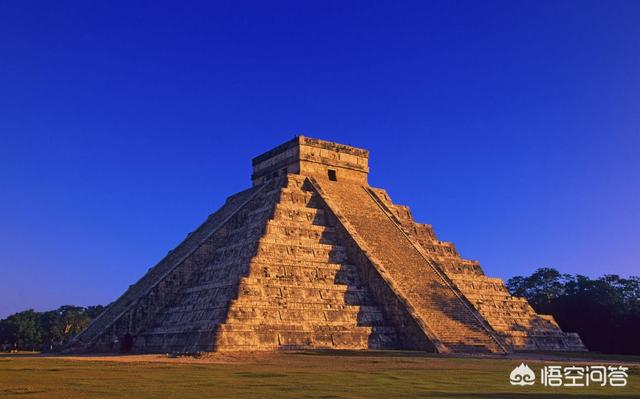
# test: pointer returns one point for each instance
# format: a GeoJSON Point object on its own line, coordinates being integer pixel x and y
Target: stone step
{"type": "Point", "coordinates": [236, 251]}
{"type": "Point", "coordinates": [300, 198]}
{"type": "Point", "coordinates": [254, 315]}
{"type": "Point", "coordinates": [272, 191]}
{"type": "Point", "coordinates": [271, 282]}
{"type": "Point", "coordinates": [196, 325]}
{"type": "Point", "coordinates": [260, 214]}
{"type": "Point", "coordinates": [209, 306]}
{"type": "Point", "coordinates": [358, 338]}
{"type": "Point", "coordinates": [499, 301]}
{"type": "Point", "coordinates": [233, 273]}
{"type": "Point", "coordinates": [293, 243]}
{"type": "Point", "coordinates": [349, 297]}
{"type": "Point", "coordinates": [303, 215]}
{"type": "Point", "coordinates": [268, 260]}
{"type": "Point", "coordinates": [294, 181]}
{"type": "Point", "coordinates": [225, 284]}
{"type": "Point", "coordinates": [318, 306]}
{"type": "Point", "coordinates": [287, 228]}
{"type": "Point", "coordinates": [183, 341]}
{"type": "Point", "coordinates": [272, 289]}
{"type": "Point", "coordinates": [316, 253]}
{"type": "Point", "coordinates": [281, 230]}
{"type": "Point", "coordinates": [185, 317]}
{"type": "Point", "coordinates": [309, 306]}
{"type": "Point", "coordinates": [301, 276]}
{"type": "Point", "coordinates": [536, 333]}
{"type": "Point", "coordinates": [284, 223]}
{"type": "Point", "coordinates": [288, 325]}
{"type": "Point", "coordinates": [310, 239]}
{"type": "Point", "coordinates": [301, 270]}
{"type": "Point", "coordinates": [246, 233]}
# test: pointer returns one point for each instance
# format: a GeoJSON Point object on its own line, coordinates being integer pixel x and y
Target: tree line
{"type": "Point", "coordinates": [45, 331]}
{"type": "Point", "coordinates": [605, 312]}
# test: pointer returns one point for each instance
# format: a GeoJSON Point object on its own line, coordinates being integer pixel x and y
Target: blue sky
{"type": "Point", "coordinates": [512, 127]}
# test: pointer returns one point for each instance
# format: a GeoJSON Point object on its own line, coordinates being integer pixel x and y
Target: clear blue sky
{"type": "Point", "coordinates": [512, 127]}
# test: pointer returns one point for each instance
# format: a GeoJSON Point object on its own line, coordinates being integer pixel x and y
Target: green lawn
{"type": "Point", "coordinates": [287, 375]}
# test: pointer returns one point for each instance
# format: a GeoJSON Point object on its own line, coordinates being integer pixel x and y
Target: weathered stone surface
{"type": "Point", "coordinates": [312, 257]}
{"type": "Point", "coordinates": [513, 319]}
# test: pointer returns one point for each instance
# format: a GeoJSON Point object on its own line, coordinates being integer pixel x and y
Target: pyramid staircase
{"type": "Point", "coordinates": [451, 324]}
{"type": "Point", "coordinates": [512, 318]}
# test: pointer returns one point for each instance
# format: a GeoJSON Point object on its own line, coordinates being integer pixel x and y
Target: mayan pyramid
{"type": "Point", "coordinates": [312, 257]}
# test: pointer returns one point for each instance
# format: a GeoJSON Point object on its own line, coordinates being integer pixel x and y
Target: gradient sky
{"type": "Point", "coordinates": [512, 127]}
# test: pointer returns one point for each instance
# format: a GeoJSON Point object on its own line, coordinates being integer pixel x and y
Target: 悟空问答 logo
{"type": "Point", "coordinates": [522, 375]}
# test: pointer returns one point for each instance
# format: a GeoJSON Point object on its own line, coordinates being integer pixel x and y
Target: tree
{"type": "Point", "coordinates": [605, 311]}
{"type": "Point", "coordinates": [34, 330]}
{"type": "Point", "coordinates": [541, 288]}
{"type": "Point", "coordinates": [22, 330]}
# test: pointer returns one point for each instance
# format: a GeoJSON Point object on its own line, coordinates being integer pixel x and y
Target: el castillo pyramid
{"type": "Point", "coordinates": [313, 257]}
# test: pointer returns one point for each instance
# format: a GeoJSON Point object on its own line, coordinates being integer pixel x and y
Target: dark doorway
{"type": "Point", "coordinates": [127, 343]}
{"type": "Point", "coordinates": [332, 175]}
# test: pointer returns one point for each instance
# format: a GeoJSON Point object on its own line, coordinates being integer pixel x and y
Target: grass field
{"type": "Point", "coordinates": [288, 375]}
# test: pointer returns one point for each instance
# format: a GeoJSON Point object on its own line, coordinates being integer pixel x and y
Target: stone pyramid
{"type": "Point", "coordinates": [313, 257]}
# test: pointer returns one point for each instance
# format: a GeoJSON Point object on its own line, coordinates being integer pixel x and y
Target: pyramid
{"type": "Point", "coordinates": [312, 257]}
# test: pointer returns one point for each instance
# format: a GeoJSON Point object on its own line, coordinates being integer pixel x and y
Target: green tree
{"type": "Point", "coordinates": [604, 311]}
{"type": "Point", "coordinates": [34, 330]}
{"type": "Point", "coordinates": [23, 330]}
{"type": "Point", "coordinates": [542, 287]}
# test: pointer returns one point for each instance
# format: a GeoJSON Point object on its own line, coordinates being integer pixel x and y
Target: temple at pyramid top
{"type": "Point", "coordinates": [312, 257]}
{"type": "Point", "coordinates": [312, 157]}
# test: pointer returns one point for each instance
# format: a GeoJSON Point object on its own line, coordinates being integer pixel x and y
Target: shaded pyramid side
{"type": "Point", "coordinates": [190, 321]}
{"type": "Point", "coordinates": [140, 306]}
{"type": "Point", "coordinates": [518, 325]}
